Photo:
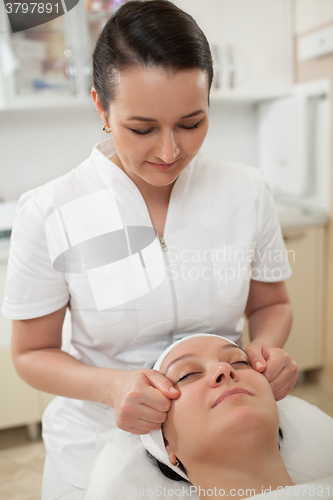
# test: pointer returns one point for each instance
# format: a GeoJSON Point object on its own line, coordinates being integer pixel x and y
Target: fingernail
{"type": "Point", "coordinates": [172, 389]}
{"type": "Point", "coordinates": [259, 364]}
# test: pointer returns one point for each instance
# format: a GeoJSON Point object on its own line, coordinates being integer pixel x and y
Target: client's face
{"type": "Point", "coordinates": [223, 400]}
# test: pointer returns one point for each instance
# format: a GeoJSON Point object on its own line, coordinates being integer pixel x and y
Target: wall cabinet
{"type": "Point", "coordinates": [50, 65]}
{"type": "Point", "coordinates": [251, 42]}
{"type": "Point", "coordinates": [306, 288]}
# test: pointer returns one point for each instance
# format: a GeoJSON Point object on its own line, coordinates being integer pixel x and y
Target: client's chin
{"type": "Point", "coordinates": [238, 430]}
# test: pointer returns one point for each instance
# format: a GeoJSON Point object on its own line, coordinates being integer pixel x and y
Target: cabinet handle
{"type": "Point", "coordinates": [296, 236]}
{"type": "Point", "coordinates": [231, 68]}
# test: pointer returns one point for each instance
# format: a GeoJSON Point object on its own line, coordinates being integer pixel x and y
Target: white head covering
{"type": "Point", "coordinates": [154, 441]}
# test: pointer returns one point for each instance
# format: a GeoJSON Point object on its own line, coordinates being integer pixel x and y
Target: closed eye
{"type": "Point", "coordinates": [141, 132]}
{"type": "Point", "coordinates": [192, 127]}
{"type": "Point", "coordinates": [187, 375]}
{"type": "Point", "coordinates": [145, 132]}
{"type": "Point", "coordinates": [241, 362]}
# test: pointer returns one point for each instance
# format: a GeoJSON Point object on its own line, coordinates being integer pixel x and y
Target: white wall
{"type": "Point", "coordinates": [39, 145]}
{"type": "Point", "coordinates": [233, 133]}
{"type": "Point", "coordinates": [310, 14]}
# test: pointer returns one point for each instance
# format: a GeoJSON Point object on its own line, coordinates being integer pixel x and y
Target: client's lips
{"type": "Point", "coordinates": [230, 392]}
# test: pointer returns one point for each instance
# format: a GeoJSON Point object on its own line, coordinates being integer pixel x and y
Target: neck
{"type": "Point", "coordinates": [238, 473]}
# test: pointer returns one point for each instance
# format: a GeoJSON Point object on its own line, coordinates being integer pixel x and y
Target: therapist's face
{"type": "Point", "coordinates": [205, 421]}
{"type": "Point", "coordinates": [159, 122]}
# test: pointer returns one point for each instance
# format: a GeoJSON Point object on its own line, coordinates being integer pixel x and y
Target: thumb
{"type": "Point", "coordinates": [161, 382]}
{"type": "Point", "coordinates": [257, 360]}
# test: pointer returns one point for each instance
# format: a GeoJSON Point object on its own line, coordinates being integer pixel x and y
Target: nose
{"type": "Point", "coordinates": [222, 373]}
{"type": "Point", "coordinates": [166, 148]}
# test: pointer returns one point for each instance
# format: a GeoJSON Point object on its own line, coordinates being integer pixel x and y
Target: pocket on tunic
{"type": "Point", "coordinates": [84, 304]}
{"type": "Point", "coordinates": [232, 272]}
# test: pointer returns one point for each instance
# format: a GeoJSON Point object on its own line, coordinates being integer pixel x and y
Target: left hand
{"type": "Point", "coordinates": [277, 366]}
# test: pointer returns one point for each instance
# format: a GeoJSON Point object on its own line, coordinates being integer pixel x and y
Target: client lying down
{"type": "Point", "coordinates": [223, 430]}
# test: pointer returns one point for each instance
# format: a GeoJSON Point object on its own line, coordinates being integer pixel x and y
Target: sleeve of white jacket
{"type": "Point", "coordinates": [33, 288]}
{"type": "Point", "coordinates": [270, 260]}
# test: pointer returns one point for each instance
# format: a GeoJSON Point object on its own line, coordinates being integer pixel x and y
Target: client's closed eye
{"type": "Point", "coordinates": [187, 375]}
{"type": "Point", "coordinates": [241, 362]}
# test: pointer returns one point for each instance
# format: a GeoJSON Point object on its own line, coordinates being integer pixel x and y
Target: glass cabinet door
{"type": "Point", "coordinates": [51, 64]}
{"type": "Point", "coordinates": [96, 14]}
{"type": "Point", "coordinates": [38, 64]}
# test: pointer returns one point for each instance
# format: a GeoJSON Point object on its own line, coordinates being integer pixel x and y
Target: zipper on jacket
{"type": "Point", "coordinates": [163, 245]}
{"type": "Point", "coordinates": [172, 290]}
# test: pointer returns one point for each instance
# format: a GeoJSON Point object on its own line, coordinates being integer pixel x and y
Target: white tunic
{"type": "Point", "coordinates": [87, 238]}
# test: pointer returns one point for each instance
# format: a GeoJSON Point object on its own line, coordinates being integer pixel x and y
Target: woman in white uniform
{"type": "Point", "coordinates": [145, 241]}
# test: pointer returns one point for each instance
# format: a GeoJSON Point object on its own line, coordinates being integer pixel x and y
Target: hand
{"type": "Point", "coordinates": [277, 366]}
{"type": "Point", "coordinates": [142, 400]}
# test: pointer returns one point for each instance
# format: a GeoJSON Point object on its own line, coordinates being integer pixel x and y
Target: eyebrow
{"type": "Point", "coordinates": [143, 119]}
{"type": "Point", "coordinates": [224, 347]}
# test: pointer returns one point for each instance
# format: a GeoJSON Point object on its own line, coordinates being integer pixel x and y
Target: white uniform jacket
{"type": "Point", "coordinates": [87, 238]}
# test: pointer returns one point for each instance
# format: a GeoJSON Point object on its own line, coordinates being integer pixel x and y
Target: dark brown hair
{"type": "Point", "coordinates": [151, 34]}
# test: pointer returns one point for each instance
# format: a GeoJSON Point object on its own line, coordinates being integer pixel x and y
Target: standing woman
{"type": "Point", "coordinates": [87, 241]}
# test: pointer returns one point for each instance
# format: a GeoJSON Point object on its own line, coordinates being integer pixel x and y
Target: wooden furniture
{"type": "Point", "coordinates": [306, 287]}
{"type": "Point", "coordinates": [20, 403]}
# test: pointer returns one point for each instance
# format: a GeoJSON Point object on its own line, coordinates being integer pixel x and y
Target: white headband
{"type": "Point", "coordinates": [154, 441]}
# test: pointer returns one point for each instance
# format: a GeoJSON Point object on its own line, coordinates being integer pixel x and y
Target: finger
{"type": "Point", "coordinates": [285, 381]}
{"type": "Point", "coordinates": [151, 415]}
{"type": "Point", "coordinates": [257, 360]}
{"type": "Point", "coordinates": [289, 380]}
{"type": "Point", "coordinates": [128, 423]}
{"type": "Point", "coordinates": [281, 370]}
{"type": "Point", "coordinates": [162, 383]}
{"type": "Point", "coordinates": [154, 399]}
{"type": "Point", "coordinates": [135, 430]}
{"type": "Point", "coordinates": [282, 392]}
{"type": "Point", "coordinates": [281, 388]}
{"type": "Point", "coordinates": [280, 380]}
{"type": "Point", "coordinates": [147, 425]}
{"type": "Point", "coordinates": [276, 361]}
{"type": "Point", "coordinates": [144, 426]}
{"type": "Point", "coordinates": [150, 400]}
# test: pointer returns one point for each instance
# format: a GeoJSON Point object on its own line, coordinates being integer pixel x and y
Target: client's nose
{"type": "Point", "coordinates": [221, 373]}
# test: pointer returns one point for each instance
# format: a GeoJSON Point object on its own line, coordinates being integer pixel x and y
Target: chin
{"type": "Point", "coordinates": [247, 418]}
{"type": "Point", "coordinates": [160, 181]}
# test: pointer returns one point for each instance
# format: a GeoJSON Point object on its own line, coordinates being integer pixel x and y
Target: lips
{"type": "Point", "coordinates": [162, 166]}
{"type": "Point", "coordinates": [230, 392]}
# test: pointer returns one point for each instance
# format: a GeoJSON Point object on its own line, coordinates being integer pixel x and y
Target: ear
{"type": "Point", "coordinates": [98, 105]}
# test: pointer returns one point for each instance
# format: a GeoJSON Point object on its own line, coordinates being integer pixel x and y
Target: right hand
{"type": "Point", "coordinates": [142, 399]}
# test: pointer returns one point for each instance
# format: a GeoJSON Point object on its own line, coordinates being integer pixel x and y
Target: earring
{"type": "Point", "coordinates": [106, 129]}
{"type": "Point", "coordinates": [176, 464]}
